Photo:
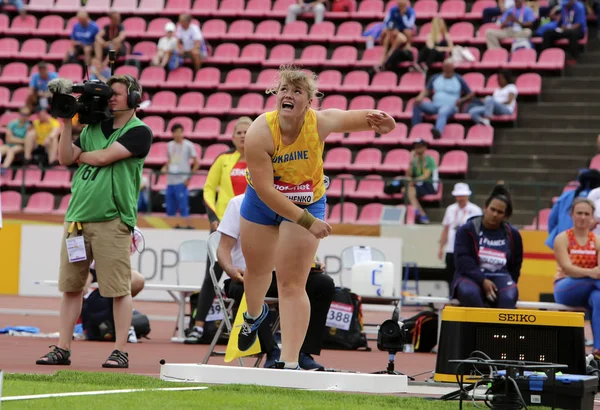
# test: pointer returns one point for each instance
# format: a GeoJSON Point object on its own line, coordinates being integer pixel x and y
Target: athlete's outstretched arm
{"type": "Point", "coordinates": [334, 120]}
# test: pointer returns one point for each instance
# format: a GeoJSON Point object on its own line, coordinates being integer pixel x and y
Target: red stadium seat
{"type": "Point", "coordinates": [207, 128]}
{"type": "Point", "coordinates": [217, 104]}
{"type": "Point", "coordinates": [14, 73]}
{"type": "Point", "coordinates": [23, 26]}
{"type": "Point", "coordinates": [240, 30]}
{"type": "Point", "coordinates": [477, 8]}
{"type": "Point", "coordinates": [356, 82]}
{"type": "Point", "coordinates": [493, 59]}
{"type": "Point", "coordinates": [412, 82]}
{"type": "Point", "coordinates": [11, 201]}
{"type": "Point", "coordinates": [231, 8]}
{"type": "Point", "coordinates": [521, 59]}
{"type": "Point", "coordinates": [396, 161]}
{"type": "Point", "coordinates": [461, 32]}
{"type": "Point", "coordinates": [321, 32]}
{"type": "Point", "coordinates": [343, 56]}
{"type": "Point", "coordinates": [392, 105]}
{"type": "Point", "coordinates": [156, 27]}
{"type": "Point", "coordinates": [186, 122]}
{"type": "Point", "coordinates": [258, 8]}
{"type": "Point", "coordinates": [341, 185]}
{"type": "Point", "coordinates": [162, 102]}
{"type": "Point", "coordinates": [135, 27]}
{"type": "Point", "coordinates": [455, 162]}
{"type": "Point", "coordinates": [64, 204]}
{"type": "Point", "coordinates": [529, 84]}
{"type": "Point", "coordinates": [337, 159]}
{"type": "Point", "coordinates": [335, 101]}
{"type": "Point", "coordinates": [212, 152]}
{"type": "Point", "coordinates": [9, 48]}
{"type": "Point", "coordinates": [205, 8]}
{"type": "Point", "coordinates": [452, 10]}
{"type": "Point", "coordinates": [371, 57]}
{"type": "Point", "coordinates": [191, 102]}
{"type": "Point", "coordinates": [453, 134]}
{"type": "Point", "coordinates": [237, 79]}
{"type": "Point", "coordinates": [348, 215]}
{"type": "Point", "coordinates": [226, 53]}
{"type": "Point", "coordinates": [367, 160]}
{"type": "Point", "coordinates": [369, 10]}
{"type": "Point", "coordinates": [157, 155]}
{"type": "Point", "coordinates": [421, 131]}
{"type": "Point", "coordinates": [479, 136]}
{"type": "Point", "coordinates": [177, 7]}
{"type": "Point", "coordinates": [476, 81]}
{"type": "Point", "coordinates": [330, 80]}
{"type": "Point", "coordinates": [266, 80]}
{"type": "Point", "coordinates": [426, 9]}
{"type": "Point", "coordinates": [312, 56]}
{"type": "Point", "coordinates": [73, 72]}
{"type": "Point", "coordinates": [348, 32]}
{"type": "Point", "coordinates": [341, 15]}
{"type": "Point", "coordinates": [295, 31]}
{"type": "Point", "coordinates": [280, 54]}
{"type": "Point", "coordinates": [156, 124]}
{"type": "Point", "coordinates": [215, 29]}
{"type": "Point", "coordinates": [152, 77]}
{"type": "Point", "coordinates": [362, 102]}
{"type": "Point", "coordinates": [267, 30]}
{"type": "Point", "coordinates": [181, 77]}
{"type": "Point", "coordinates": [371, 188]}
{"type": "Point", "coordinates": [370, 214]}
{"type": "Point", "coordinates": [249, 104]}
{"type": "Point", "coordinates": [125, 6]}
{"type": "Point", "coordinates": [19, 96]}
{"type": "Point", "coordinates": [151, 7]}
{"type": "Point", "coordinates": [394, 138]}
{"type": "Point", "coordinates": [550, 59]}
{"type": "Point", "coordinates": [56, 178]}
{"type": "Point", "coordinates": [207, 78]}
{"type": "Point", "coordinates": [33, 176]}
{"type": "Point", "coordinates": [58, 49]}
{"type": "Point", "coordinates": [384, 82]}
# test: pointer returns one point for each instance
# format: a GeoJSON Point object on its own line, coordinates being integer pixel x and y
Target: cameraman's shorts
{"type": "Point", "coordinates": [108, 243]}
{"type": "Point", "coordinates": [177, 198]}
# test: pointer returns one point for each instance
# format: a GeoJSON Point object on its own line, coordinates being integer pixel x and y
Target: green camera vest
{"type": "Point", "coordinates": [102, 194]}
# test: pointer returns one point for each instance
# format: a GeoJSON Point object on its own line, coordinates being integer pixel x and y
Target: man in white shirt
{"type": "Point", "coordinates": [319, 287]}
{"type": "Point", "coordinates": [456, 215]}
{"type": "Point", "coordinates": [191, 42]}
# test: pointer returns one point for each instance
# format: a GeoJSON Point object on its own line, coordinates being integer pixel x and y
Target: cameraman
{"type": "Point", "coordinates": [101, 215]}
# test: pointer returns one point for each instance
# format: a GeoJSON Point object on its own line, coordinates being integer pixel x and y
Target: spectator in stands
{"type": "Point", "coordinates": [166, 46]}
{"type": "Point", "coordinates": [44, 132]}
{"type": "Point", "coordinates": [449, 91]}
{"type": "Point", "coordinates": [502, 102]}
{"type": "Point", "coordinates": [83, 36]}
{"type": "Point", "coordinates": [227, 177]}
{"type": "Point", "coordinates": [516, 22]}
{"type": "Point", "coordinates": [38, 87]}
{"type": "Point", "coordinates": [16, 130]}
{"type": "Point", "coordinates": [143, 202]}
{"type": "Point", "coordinates": [319, 288]}
{"type": "Point", "coordinates": [191, 42]}
{"type": "Point", "coordinates": [438, 46]}
{"type": "Point", "coordinates": [490, 13]}
{"type": "Point", "coordinates": [99, 70]}
{"type": "Point", "coordinates": [316, 7]}
{"type": "Point", "coordinates": [488, 253]}
{"type": "Point", "coordinates": [17, 3]}
{"type": "Point", "coordinates": [456, 216]}
{"type": "Point", "coordinates": [110, 37]}
{"type": "Point", "coordinates": [576, 251]}
{"type": "Point", "coordinates": [180, 152]}
{"type": "Point", "coordinates": [572, 26]}
{"type": "Point", "coordinates": [400, 24]}
{"type": "Point", "coordinates": [422, 174]}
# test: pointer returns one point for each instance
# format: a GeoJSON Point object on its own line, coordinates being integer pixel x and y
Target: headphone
{"type": "Point", "coordinates": [134, 92]}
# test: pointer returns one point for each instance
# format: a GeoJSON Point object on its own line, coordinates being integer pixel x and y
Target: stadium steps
{"type": "Point", "coordinates": [571, 83]}
{"type": "Point", "coordinates": [583, 69]}
{"type": "Point", "coordinates": [541, 146]}
{"type": "Point", "coordinates": [535, 161]}
{"type": "Point", "coordinates": [557, 109]}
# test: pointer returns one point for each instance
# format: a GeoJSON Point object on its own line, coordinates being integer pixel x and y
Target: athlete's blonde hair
{"type": "Point", "coordinates": [298, 78]}
{"type": "Point", "coordinates": [581, 200]}
{"type": "Point", "coordinates": [241, 121]}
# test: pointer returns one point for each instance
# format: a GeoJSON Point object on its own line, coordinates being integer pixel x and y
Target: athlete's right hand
{"type": "Point", "coordinates": [320, 229]}
{"type": "Point", "coordinates": [236, 274]}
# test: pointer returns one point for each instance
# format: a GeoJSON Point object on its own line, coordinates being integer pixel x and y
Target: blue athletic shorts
{"type": "Point", "coordinates": [177, 198]}
{"type": "Point", "coordinates": [255, 210]}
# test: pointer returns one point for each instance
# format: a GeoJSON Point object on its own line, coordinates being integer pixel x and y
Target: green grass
{"type": "Point", "coordinates": [215, 397]}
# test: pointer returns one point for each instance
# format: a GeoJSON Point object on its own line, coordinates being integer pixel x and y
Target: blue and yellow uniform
{"type": "Point", "coordinates": [297, 173]}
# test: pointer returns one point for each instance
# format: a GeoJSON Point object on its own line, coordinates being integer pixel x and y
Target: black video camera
{"type": "Point", "coordinates": [91, 106]}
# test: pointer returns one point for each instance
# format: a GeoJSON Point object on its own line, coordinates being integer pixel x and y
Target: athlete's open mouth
{"type": "Point", "coordinates": [287, 106]}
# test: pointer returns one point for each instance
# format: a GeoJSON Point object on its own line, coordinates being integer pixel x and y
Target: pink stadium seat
{"type": "Point", "coordinates": [529, 84]}
{"type": "Point", "coordinates": [161, 183]}
{"type": "Point", "coordinates": [394, 138]}
{"type": "Point", "coordinates": [347, 215]}
{"type": "Point", "coordinates": [321, 32]}
{"type": "Point", "coordinates": [395, 161]}
{"type": "Point", "coordinates": [156, 28]}
{"type": "Point", "coordinates": [493, 59]}
{"type": "Point", "coordinates": [181, 77]}
{"type": "Point", "coordinates": [98, 6]}
{"type": "Point", "coordinates": [595, 162]}
{"type": "Point", "coordinates": [217, 104]}
{"type": "Point", "coordinates": [550, 59]}
{"type": "Point", "coordinates": [231, 8]}
{"type": "Point", "coordinates": [23, 26]}
{"type": "Point", "coordinates": [258, 8]}
{"type": "Point", "coordinates": [253, 54]}
{"type": "Point", "coordinates": [34, 69]}
{"type": "Point", "coordinates": [341, 185]}
{"type": "Point", "coordinates": [266, 79]}
{"type": "Point", "coordinates": [249, 104]}
{"type": "Point", "coordinates": [342, 15]}
{"type": "Point", "coordinates": [369, 10]}
{"type": "Point", "coordinates": [426, 9]}
{"type": "Point", "coordinates": [207, 77]}
{"type": "Point", "coordinates": [452, 10]}
{"type": "Point", "coordinates": [348, 32]}
{"type": "Point", "coordinates": [135, 27]}
{"type": "Point", "coordinates": [50, 26]}
{"type": "Point", "coordinates": [280, 54]}
{"type": "Point", "coordinates": [337, 159]}
{"type": "Point", "coordinates": [152, 77]}
{"type": "Point", "coordinates": [191, 102]}
{"type": "Point", "coordinates": [228, 134]}
{"type": "Point", "coordinates": [267, 30]}
{"type": "Point", "coordinates": [412, 82]}
{"type": "Point", "coordinates": [9, 47]}
{"type": "Point", "coordinates": [437, 197]}
{"type": "Point", "coordinates": [312, 56]}
{"type": "Point", "coordinates": [226, 53]}
{"type": "Point", "coordinates": [237, 79]}
{"type": "Point", "coordinates": [4, 96]}
{"type": "Point", "coordinates": [197, 182]}
{"type": "Point", "coordinates": [362, 102]}
{"type": "Point", "coordinates": [207, 128]}
{"type": "Point", "coordinates": [157, 154]}
{"type": "Point", "coordinates": [212, 152]}
{"type": "Point", "coordinates": [371, 188]}
{"type": "Point", "coordinates": [58, 49]}
{"type": "Point", "coordinates": [370, 214]}
{"type": "Point", "coordinates": [477, 8]}
{"type": "Point", "coordinates": [479, 136]}
{"type": "Point", "coordinates": [334, 101]}
{"type": "Point", "coordinates": [270, 103]}
{"type": "Point", "coordinates": [343, 56]}
{"type": "Point", "coordinates": [19, 96]}
{"type": "Point", "coordinates": [151, 7]}
{"type": "Point", "coordinates": [421, 131]}
{"type": "Point", "coordinates": [355, 82]}
{"type": "Point", "coordinates": [128, 70]}
{"type": "Point", "coordinates": [541, 221]}
{"type": "Point", "coordinates": [33, 176]}
{"type": "Point", "coordinates": [384, 82]}
{"type": "Point", "coordinates": [64, 204]}
{"type": "Point", "coordinates": [367, 160]}
{"type": "Point", "coordinates": [359, 138]}
{"type": "Point", "coordinates": [66, 5]}
{"type": "Point", "coordinates": [424, 31]}
{"type": "Point", "coordinates": [177, 7]}
{"type": "Point", "coordinates": [466, 65]}
{"type": "Point", "coordinates": [42, 6]}
{"type": "Point", "coordinates": [186, 122]}
{"type": "Point", "coordinates": [7, 117]}
{"type": "Point", "coordinates": [4, 24]}
{"type": "Point", "coordinates": [455, 162]}
{"type": "Point", "coordinates": [240, 30]}
{"type": "Point", "coordinates": [156, 124]}
{"type": "Point", "coordinates": [522, 59]}
{"type": "Point", "coordinates": [435, 155]}
{"type": "Point", "coordinates": [480, 35]}
{"type": "Point", "coordinates": [330, 80]}
{"type": "Point", "coordinates": [162, 102]}
{"type": "Point", "coordinates": [56, 178]}
{"type": "Point", "coordinates": [461, 32]}
{"type": "Point", "coordinates": [280, 8]}
{"type": "Point", "coordinates": [14, 73]}
{"type": "Point", "coordinates": [11, 201]}
{"type": "Point", "coordinates": [296, 31]}
{"type": "Point", "coordinates": [205, 8]}
{"type": "Point", "coordinates": [124, 6]}
{"type": "Point", "coordinates": [73, 72]}
{"type": "Point", "coordinates": [476, 81]}
{"type": "Point", "coordinates": [491, 85]}
{"type": "Point", "coordinates": [392, 105]}
{"type": "Point", "coordinates": [452, 135]}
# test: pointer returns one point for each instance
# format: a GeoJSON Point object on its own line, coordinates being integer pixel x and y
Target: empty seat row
{"type": "Point", "coordinates": [38, 203]}
{"type": "Point", "coordinates": [56, 178]}
{"type": "Point", "coordinates": [158, 154]}
{"type": "Point", "coordinates": [540, 222]}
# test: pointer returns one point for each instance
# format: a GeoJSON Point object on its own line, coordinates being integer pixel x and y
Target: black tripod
{"type": "Point", "coordinates": [390, 366]}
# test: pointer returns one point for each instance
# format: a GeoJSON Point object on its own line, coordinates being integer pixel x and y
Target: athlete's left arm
{"type": "Point", "coordinates": [334, 120]}
{"type": "Point", "coordinates": [134, 143]}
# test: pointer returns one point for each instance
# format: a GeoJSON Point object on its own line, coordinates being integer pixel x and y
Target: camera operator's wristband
{"type": "Point", "coordinates": [306, 220]}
